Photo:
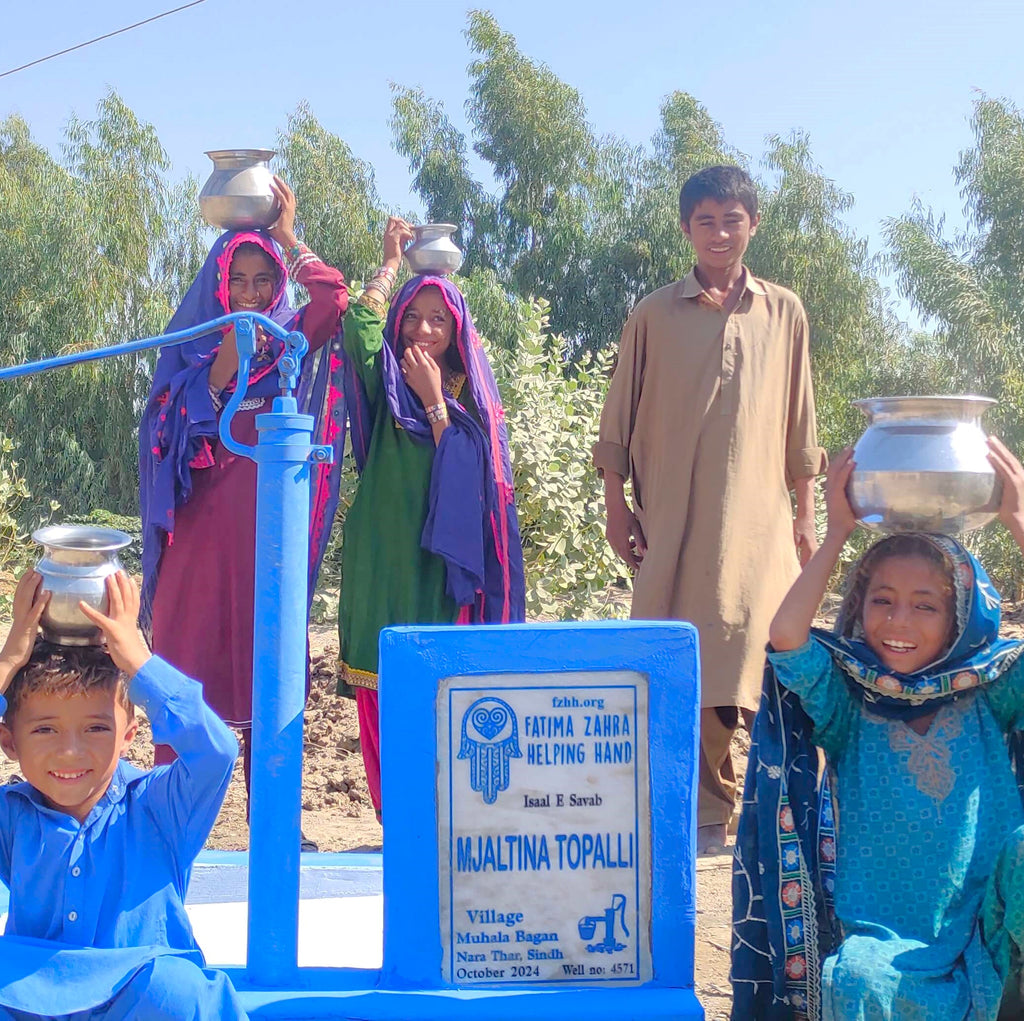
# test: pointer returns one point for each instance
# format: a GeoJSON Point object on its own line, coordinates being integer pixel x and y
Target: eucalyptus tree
{"type": "Point", "coordinates": [971, 286]}
{"type": "Point", "coordinates": [438, 157]}
{"type": "Point", "coordinates": [85, 262]}
{"type": "Point", "coordinates": [339, 211]}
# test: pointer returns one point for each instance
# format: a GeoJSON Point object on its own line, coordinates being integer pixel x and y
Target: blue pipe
{"type": "Point", "coordinates": [279, 692]}
{"type": "Point", "coordinates": [146, 344]}
{"type": "Point", "coordinates": [282, 454]}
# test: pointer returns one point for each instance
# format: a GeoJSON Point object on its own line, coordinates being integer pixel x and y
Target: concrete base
{"type": "Point", "coordinates": [341, 912]}
{"type": "Point", "coordinates": [370, 1004]}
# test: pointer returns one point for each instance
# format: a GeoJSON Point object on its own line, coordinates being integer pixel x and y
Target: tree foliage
{"type": "Point", "coordinates": [564, 231]}
{"type": "Point", "coordinates": [339, 209]}
{"type": "Point", "coordinates": [89, 259]}
{"type": "Point", "coordinates": [971, 287]}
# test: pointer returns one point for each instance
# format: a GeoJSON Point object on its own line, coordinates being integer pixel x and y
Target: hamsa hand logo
{"type": "Point", "coordinates": [490, 737]}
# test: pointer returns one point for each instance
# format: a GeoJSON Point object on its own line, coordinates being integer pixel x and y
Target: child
{"type": "Point", "coordinates": [907, 901]}
{"type": "Point", "coordinates": [710, 413]}
{"type": "Point", "coordinates": [96, 853]}
{"type": "Point", "coordinates": [432, 534]}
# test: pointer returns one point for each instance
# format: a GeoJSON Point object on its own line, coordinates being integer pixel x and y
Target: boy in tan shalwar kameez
{"type": "Point", "coordinates": [711, 414]}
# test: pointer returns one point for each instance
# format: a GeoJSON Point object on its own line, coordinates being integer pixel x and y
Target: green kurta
{"type": "Point", "coordinates": [386, 576]}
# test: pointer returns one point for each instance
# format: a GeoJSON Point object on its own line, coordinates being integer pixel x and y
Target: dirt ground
{"type": "Point", "coordinates": [338, 815]}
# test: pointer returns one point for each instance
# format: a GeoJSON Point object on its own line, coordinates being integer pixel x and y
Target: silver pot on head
{"type": "Point", "coordinates": [432, 251]}
{"type": "Point", "coordinates": [75, 565]}
{"type": "Point", "coordinates": [237, 195]}
{"type": "Point", "coordinates": [922, 465]}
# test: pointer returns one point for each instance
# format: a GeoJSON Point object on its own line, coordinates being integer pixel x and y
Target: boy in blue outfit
{"type": "Point", "coordinates": [97, 854]}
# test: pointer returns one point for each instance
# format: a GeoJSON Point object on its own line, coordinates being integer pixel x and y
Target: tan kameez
{"type": "Point", "coordinates": [712, 416]}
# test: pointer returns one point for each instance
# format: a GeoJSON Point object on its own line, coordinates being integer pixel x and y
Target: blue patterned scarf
{"type": "Point", "coordinates": [784, 863]}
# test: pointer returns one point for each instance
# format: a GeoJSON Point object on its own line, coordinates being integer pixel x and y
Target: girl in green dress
{"type": "Point", "coordinates": [432, 535]}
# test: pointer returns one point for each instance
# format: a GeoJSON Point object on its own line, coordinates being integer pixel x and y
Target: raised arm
{"type": "Point", "coordinates": [364, 324]}
{"type": "Point", "coordinates": [29, 603]}
{"type": "Point", "coordinates": [1011, 472]}
{"type": "Point", "coordinates": [791, 626]}
{"type": "Point", "coordinates": [328, 296]}
{"type": "Point", "coordinates": [184, 799]}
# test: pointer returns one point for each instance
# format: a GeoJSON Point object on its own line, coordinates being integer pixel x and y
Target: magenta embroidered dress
{"type": "Point", "coordinates": [202, 587]}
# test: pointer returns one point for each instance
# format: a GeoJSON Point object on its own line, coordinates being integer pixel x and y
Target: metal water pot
{"type": "Point", "coordinates": [922, 465]}
{"type": "Point", "coordinates": [237, 195]}
{"type": "Point", "coordinates": [75, 564]}
{"type": "Point", "coordinates": [432, 252]}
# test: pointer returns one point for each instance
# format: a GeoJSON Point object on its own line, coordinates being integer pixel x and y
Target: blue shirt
{"type": "Point", "coordinates": [118, 879]}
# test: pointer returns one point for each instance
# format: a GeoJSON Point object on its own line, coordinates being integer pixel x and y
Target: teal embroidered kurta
{"type": "Point", "coordinates": [929, 830]}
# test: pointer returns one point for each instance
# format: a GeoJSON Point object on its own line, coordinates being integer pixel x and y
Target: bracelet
{"type": "Point", "coordinates": [383, 281]}
{"type": "Point", "coordinates": [297, 257]}
{"type": "Point", "coordinates": [377, 307]}
{"type": "Point", "coordinates": [437, 413]}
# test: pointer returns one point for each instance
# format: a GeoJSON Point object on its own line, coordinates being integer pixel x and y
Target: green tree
{"type": "Point", "coordinates": [86, 263]}
{"type": "Point", "coordinates": [971, 287]}
{"type": "Point", "coordinates": [339, 210]}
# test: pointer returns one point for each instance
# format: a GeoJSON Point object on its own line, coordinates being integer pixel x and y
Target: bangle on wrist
{"type": "Point", "coordinates": [375, 305]}
{"type": "Point", "coordinates": [297, 257]}
{"type": "Point", "coordinates": [383, 281]}
{"type": "Point", "coordinates": [437, 413]}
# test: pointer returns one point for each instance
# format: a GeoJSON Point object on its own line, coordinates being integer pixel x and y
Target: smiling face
{"type": "Point", "coordinates": [252, 281]}
{"type": "Point", "coordinates": [68, 746]}
{"type": "Point", "coordinates": [908, 612]}
{"type": "Point", "coordinates": [720, 233]}
{"type": "Point", "coordinates": [428, 323]}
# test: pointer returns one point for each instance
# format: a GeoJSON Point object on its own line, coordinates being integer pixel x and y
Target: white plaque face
{"type": "Point", "coordinates": [544, 829]}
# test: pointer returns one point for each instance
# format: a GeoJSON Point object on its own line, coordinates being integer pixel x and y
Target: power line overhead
{"type": "Point", "coordinates": [100, 38]}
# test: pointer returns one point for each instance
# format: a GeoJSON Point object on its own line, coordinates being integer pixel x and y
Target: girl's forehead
{"type": "Point", "coordinates": [428, 299]}
{"type": "Point", "coordinates": [906, 569]}
{"type": "Point", "coordinates": [252, 260]}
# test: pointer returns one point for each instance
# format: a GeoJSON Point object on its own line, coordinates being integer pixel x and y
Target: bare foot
{"type": "Point", "coordinates": [711, 839]}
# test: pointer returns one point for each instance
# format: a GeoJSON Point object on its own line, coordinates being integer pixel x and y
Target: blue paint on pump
{"type": "Point", "coordinates": [414, 661]}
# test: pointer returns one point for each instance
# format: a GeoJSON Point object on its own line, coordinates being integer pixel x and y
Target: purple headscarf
{"type": "Point", "coordinates": [471, 519]}
{"type": "Point", "coordinates": [180, 419]}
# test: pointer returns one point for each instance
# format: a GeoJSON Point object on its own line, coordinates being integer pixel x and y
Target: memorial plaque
{"type": "Point", "coordinates": [544, 829]}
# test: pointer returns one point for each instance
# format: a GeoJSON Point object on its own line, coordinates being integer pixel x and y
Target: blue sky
{"type": "Point", "coordinates": [884, 89]}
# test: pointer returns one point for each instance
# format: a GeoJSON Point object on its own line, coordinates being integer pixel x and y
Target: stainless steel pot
{"type": "Point", "coordinates": [922, 465]}
{"type": "Point", "coordinates": [237, 195]}
{"type": "Point", "coordinates": [432, 252]}
{"type": "Point", "coordinates": [75, 564]}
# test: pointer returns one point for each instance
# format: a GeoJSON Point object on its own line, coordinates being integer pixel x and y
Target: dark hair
{"type": "Point", "coordinates": [905, 544]}
{"type": "Point", "coordinates": [452, 357]}
{"type": "Point", "coordinates": [722, 184]}
{"type": "Point", "coordinates": [66, 670]}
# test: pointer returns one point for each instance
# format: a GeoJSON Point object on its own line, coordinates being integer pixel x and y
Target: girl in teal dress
{"type": "Point", "coordinates": [896, 889]}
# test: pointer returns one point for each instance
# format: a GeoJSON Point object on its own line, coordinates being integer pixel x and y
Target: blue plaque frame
{"type": "Point", "coordinates": [413, 662]}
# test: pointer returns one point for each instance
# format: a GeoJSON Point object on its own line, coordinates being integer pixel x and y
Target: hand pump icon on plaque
{"type": "Point", "coordinates": [490, 737]}
{"type": "Point", "coordinates": [588, 924]}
